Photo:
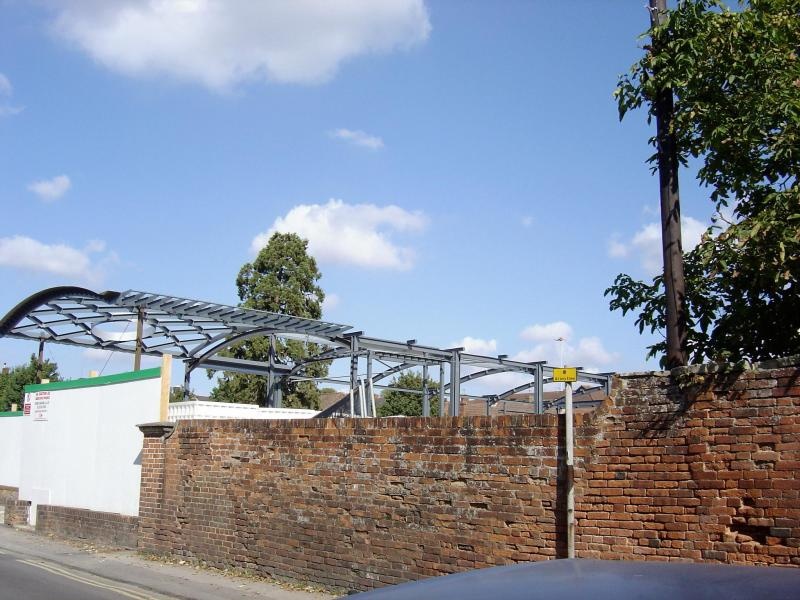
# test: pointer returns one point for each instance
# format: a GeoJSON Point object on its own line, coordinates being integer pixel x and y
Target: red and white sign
{"type": "Point", "coordinates": [41, 406]}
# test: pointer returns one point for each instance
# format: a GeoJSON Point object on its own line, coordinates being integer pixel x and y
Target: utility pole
{"type": "Point", "coordinates": [137, 356]}
{"type": "Point", "coordinates": [674, 284]}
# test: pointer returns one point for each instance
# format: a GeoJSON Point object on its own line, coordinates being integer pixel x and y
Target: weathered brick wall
{"type": "Point", "coordinates": [703, 471]}
{"type": "Point", "coordinates": [353, 503]}
{"type": "Point", "coordinates": [8, 493]}
{"type": "Point", "coordinates": [16, 512]}
{"type": "Point", "coordinates": [102, 528]}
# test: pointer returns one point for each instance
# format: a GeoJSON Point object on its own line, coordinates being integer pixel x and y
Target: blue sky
{"type": "Point", "coordinates": [458, 167]}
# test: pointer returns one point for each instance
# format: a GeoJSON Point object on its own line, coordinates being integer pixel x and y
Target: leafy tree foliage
{"type": "Point", "coordinates": [736, 79]}
{"type": "Point", "coordinates": [396, 402]}
{"type": "Point", "coordinates": [176, 394]}
{"type": "Point", "coordinates": [282, 279]}
{"type": "Point", "coordinates": [12, 384]}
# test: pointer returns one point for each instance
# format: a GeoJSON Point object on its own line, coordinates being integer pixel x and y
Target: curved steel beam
{"type": "Point", "coordinates": [332, 354]}
{"type": "Point", "coordinates": [520, 388]}
{"type": "Point", "coordinates": [391, 371]}
{"type": "Point", "coordinates": [225, 340]}
{"type": "Point", "coordinates": [479, 374]}
{"type": "Point", "coordinates": [21, 310]}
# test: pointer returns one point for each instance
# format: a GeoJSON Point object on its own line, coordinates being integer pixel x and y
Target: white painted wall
{"type": "Point", "coordinates": [83, 449]}
{"type": "Point", "coordinates": [10, 450]}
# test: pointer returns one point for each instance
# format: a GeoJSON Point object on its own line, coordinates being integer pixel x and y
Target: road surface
{"type": "Point", "coordinates": [34, 567]}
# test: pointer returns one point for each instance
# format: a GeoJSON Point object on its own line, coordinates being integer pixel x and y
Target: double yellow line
{"type": "Point", "coordinates": [121, 590]}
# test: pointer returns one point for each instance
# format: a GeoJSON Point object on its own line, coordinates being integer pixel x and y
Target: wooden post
{"type": "Point", "coordinates": [137, 357]}
{"type": "Point", "coordinates": [674, 283]}
{"type": "Point", "coordinates": [166, 382]}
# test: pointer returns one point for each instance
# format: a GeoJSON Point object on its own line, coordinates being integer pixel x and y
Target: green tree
{"type": "Point", "coordinates": [282, 279]}
{"type": "Point", "coordinates": [176, 394]}
{"type": "Point", "coordinates": [12, 383]}
{"type": "Point", "coordinates": [397, 402]}
{"type": "Point", "coordinates": [736, 79]}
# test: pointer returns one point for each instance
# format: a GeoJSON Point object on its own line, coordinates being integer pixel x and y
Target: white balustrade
{"type": "Point", "coordinates": [201, 409]}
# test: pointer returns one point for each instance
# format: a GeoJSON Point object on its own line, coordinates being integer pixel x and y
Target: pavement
{"type": "Point", "coordinates": [33, 567]}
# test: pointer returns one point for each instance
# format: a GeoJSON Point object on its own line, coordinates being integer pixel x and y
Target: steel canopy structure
{"type": "Point", "coordinates": [198, 333]}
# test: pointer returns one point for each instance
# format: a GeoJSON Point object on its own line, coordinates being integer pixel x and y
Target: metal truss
{"type": "Point", "coordinates": [200, 332]}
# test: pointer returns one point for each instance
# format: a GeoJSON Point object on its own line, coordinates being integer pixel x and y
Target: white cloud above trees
{"type": "Point", "coordinates": [75, 265]}
{"type": "Point", "coordinates": [360, 235]}
{"type": "Point", "coordinates": [222, 43]}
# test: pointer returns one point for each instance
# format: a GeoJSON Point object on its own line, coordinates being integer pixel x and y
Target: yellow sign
{"type": "Point", "coordinates": [565, 374]}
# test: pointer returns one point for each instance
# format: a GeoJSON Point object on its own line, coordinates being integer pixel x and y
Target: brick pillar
{"type": "Point", "coordinates": [153, 509]}
{"type": "Point", "coordinates": [17, 512]}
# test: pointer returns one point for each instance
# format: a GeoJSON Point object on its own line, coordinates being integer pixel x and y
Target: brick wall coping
{"type": "Point", "coordinates": [709, 368]}
{"type": "Point", "coordinates": [162, 429]}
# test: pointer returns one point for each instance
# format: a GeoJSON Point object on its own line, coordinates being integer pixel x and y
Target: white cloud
{"type": "Point", "coordinates": [473, 345]}
{"type": "Point", "coordinates": [358, 138]}
{"type": "Point", "coordinates": [355, 234]}
{"type": "Point", "coordinates": [587, 352]}
{"type": "Point", "coordinates": [527, 221]}
{"type": "Point", "coordinates": [220, 43]}
{"type": "Point", "coordinates": [26, 254]}
{"type": "Point", "coordinates": [646, 243]}
{"type": "Point", "coordinates": [51, 189]}
{"type": "Point", "coordinates": [6, 91]}
{"type": "Point", "coordinates": [547, 332]}
{"type": "Point", "coordinates": [617, 249]}
{"type": "Point", "coordinates": [331, 301]}
{"type": "Point", "coordinates": [5, 86]}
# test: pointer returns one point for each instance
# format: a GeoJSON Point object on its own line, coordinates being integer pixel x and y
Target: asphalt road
{"type": "Point", "coordinates": [33, 567]}
{"type": "Point", "coordinates": [34, 579]}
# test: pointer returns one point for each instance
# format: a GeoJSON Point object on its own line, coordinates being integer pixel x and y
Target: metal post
{"type": "Point", "coordinates": [271, 374]}
{"type": "Point", "coordinates": [187, 378]}
{"type": "Point", "coordinates": [40, 365]}
{"type": "Point", "coordinates": [426, 401]}
{"type": "Point", "coordinates": [362, 396]}
{"type": "Point", "coordinates": [353, 372]}
{"type": "Point", "coordinates": [455, 382]}
{"type": "Point", "coordinates": [441, 389]}
{"type": "Point", "coordinates": [371, 390]}
{"type": "Point", "coordinates": [137, 357]}
{"type": "Point", "coordinates": [569, 471]}
{"type": "Point", "coordinates": [538, 390]}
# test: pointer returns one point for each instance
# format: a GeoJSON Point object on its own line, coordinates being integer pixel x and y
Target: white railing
{"type": "Point", "coordinates": [200, 409]}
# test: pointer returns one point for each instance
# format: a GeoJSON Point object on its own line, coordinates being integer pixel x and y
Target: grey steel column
{"type": "Point", "coordinates": [455, 382]}
{"type": "Point", "coordinates": [271, 375]}
{"type": "Point", "coordinates": [187, 380]}
{"type": "Point", "coordinates": [538, 390]}
{"type": "Point", "coordinates": [369, 381]}
{"type": "Point", "coordinates": [441, 389]}
{"type": "Point", "coordinates": [353, 373]}
{"type": "Point", "coordinates": [426, 401]}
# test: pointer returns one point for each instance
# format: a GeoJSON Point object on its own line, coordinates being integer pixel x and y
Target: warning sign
{"type": "Point", "coordinates": [565, 374]}
{"type": "Point", "coordinates": [26, 407]}
{"type": "Point", "coordinates": [40, 406]}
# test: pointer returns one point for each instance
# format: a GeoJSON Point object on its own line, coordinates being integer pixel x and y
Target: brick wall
{"type": "Point", "coordinates": [704, 471]}
{"type": "Point", "coordinates": [102, 528]}
{"type": "Point", "coordinates": [707, 472]}
{"type": "Point", "coordinates": [16, 512]}
{"type": "Point", "coordinates": [353, 503]}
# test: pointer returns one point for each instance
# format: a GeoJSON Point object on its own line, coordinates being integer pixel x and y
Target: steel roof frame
{"type": "Point", "coordinates": [197, 332]}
